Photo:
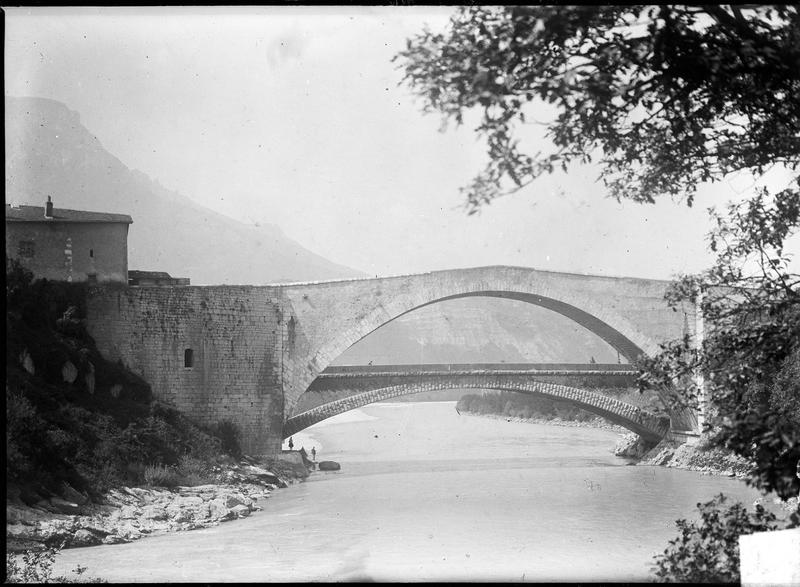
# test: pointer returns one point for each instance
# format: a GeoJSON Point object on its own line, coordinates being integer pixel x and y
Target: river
{"type": "Point", "coordinates": [427, 494]}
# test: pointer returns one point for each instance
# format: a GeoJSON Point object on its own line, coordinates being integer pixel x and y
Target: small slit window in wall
{"type": "Point", "coordinates": [188, 358]}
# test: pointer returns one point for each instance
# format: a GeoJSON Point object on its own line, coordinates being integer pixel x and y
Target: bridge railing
{"type": "Point", "coordinates": [505, 368]}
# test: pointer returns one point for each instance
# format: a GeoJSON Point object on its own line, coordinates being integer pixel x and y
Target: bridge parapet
{"type": "Point", "coordinates": [515, 367]}
{"type": "Point", "coordinates": [331, 375]}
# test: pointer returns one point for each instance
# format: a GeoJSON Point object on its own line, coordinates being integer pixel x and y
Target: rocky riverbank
{"type": "Point", "coordinates": [696, 457]}
{"type": "Point", "coordinates": [129, 513]}
{"type": "Point", "coordinates": [708, 461]}
{"type": "Point", "coordinates": [667, 453]}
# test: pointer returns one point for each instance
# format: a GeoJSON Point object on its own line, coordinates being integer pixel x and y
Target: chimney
{"type": "Point", "coordinates": [48, 208]}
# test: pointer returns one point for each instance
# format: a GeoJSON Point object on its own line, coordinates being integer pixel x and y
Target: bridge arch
{"type": "Point", "coordinates": [259, 348]}
{"type": "Point", "coordinates": [631, 345]}
{"type": "Point", "coordinates": [629, 314]}
{"type": "Point", "coordinates": [650, 427]}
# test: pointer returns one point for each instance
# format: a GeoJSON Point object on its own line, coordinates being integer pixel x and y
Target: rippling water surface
{"type": "Point", "coordinates": [427, 494]}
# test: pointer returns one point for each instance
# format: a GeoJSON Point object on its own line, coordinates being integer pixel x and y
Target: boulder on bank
{"type": "Point", "coordinates": [292, 461]}
{"type": "Point", "coordinates": [632, 445]}
{"type": "Point", "coordinates": [329, 466]}
{"type": "Point", "coordinates": [697, 457]}
{"type": "Point", "coordinates": [84, 537]}
{"type": "Point", "coordinates": [254, 474]}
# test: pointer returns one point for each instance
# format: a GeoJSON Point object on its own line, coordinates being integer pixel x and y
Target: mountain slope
{"type": "Point", "coordinates": [481, 330]}
{"type": "Point", "coordinates": [49, 152]}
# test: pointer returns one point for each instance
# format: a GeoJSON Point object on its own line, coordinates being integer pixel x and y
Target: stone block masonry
{"type": "Point", "coordinates": [213, 352]}
{"type": "Point", "coordinates": [628, 313]}
{"type": "Point", "coordinates": [248, 353]}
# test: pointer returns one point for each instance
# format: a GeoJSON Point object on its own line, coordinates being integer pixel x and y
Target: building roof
{"type": "Point", "coordinates": [138, 274]}
{"type": "Point", "coordinates": [36, 214]}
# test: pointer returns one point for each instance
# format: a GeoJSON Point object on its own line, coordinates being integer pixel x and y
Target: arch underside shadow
{"type": "Point", "coordinates": [650, 427]}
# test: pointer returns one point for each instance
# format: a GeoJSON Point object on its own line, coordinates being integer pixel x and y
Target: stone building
{"type": "Point", "coordinates": [68, 245]}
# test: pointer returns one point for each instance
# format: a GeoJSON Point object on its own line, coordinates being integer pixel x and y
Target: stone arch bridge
{"type": "Point", "coordinates": [341, 389]}
{"type": "Point", "coordinates": [256, 350]}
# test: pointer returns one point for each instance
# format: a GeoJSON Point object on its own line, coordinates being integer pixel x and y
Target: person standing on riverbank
{"type": "Point", "coordinates": [291, 443]}
{"type": "Point", "coordinates": [314, 453]}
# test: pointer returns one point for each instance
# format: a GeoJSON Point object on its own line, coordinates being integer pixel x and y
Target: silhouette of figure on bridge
{"type": "Point", "coordinates": [291, 443]}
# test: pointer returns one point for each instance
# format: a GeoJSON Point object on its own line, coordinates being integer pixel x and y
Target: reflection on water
{"type": "Point", "coordinates": [426, 494]}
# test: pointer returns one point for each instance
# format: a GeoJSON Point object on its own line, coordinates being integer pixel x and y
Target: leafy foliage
{"type": "Point", "coordinates": [36, 566]}
{"type": "Point", "coordinates": [664, 97]}
{"type": "Point", "coordinates": [708, 551]}
{"type": "Point", "coordinates": [161, 476]}
{"type": "Point", "coordinates": [41, 303]}
{"type": "Point", "coordinates": [90, 438]}
{"type": "Point", "coordinates": [228, 433]}
{"type": "Point", "coordinates": [194, 471]}
{"type": "Point", "coordinates": [750, 358]}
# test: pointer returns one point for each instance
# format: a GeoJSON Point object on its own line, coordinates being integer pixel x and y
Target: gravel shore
{"type": "Point", "coordinates": [129, 513]}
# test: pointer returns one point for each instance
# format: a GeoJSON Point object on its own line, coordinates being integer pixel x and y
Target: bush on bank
{"type": "Point", "coordinates": [36, 566]}
{"type": "Point", "coordinates": [74, 418]}
{"type": "Point", "coordinates": [708, 551]}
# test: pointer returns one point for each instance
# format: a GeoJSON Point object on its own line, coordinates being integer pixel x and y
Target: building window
{"type": "Point", "coordinates": [188, 358]}
{"type": "Point", "coordinates": [91, 277]}
{"type": "Point", "coordinates": [26, 249]}
{"type": "Point", "coordinates": [91, 253]}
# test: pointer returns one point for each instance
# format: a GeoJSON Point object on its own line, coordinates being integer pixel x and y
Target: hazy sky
{"type": "Point", "coordinates": [293, 116]}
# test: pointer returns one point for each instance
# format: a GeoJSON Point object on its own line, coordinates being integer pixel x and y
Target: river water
{"type": "Point", "coordinates": [427, 494]}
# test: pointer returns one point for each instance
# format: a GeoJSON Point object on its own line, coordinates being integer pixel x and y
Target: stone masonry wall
{"type": "Point", "coordinates": [257, 349]}
{"type": "Point", "coordinates": [629, 313]}
{"type": "Point", "coordinates": [236, 335]}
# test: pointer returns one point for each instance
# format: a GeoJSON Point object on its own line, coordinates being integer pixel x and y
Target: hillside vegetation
{"type": "Point", "coordinates": [76, 422]}
{"type": "Point", "coordinates": [520, 405]}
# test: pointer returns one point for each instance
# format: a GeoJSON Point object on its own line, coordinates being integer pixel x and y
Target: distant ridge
{"type": "Point", "coordinates": [478, 330]}
{"type": "Point", "coordinates": [49, 152]}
